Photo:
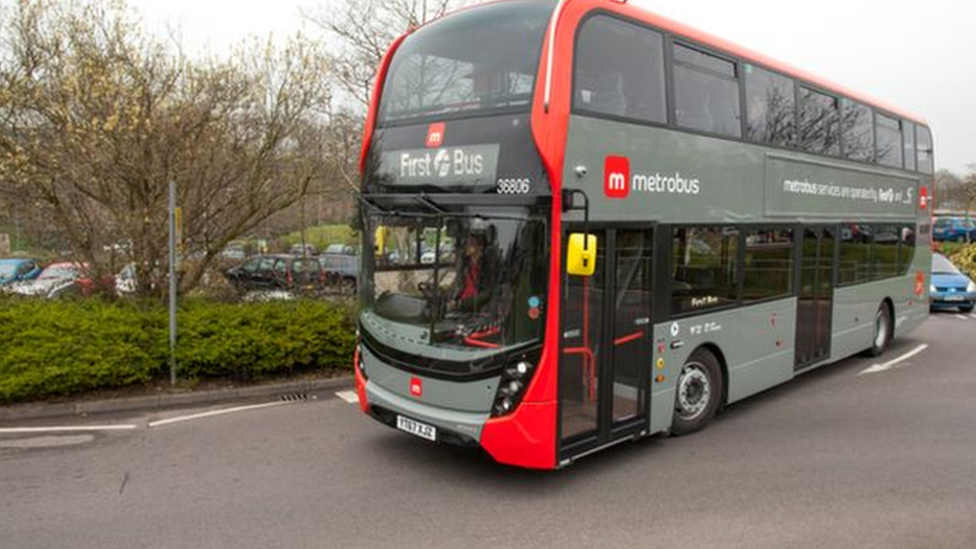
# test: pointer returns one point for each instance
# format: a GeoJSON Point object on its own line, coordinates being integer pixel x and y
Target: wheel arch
{"type": "Point", "coordinates": [723, 366]}
{"type": "Point", "coordinates": [890, 304]}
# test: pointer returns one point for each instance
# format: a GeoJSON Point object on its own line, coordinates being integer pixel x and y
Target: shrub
{"type": "Point", "coordinates": [59, 348]}
{"type": "Point", "coordinates": [258, 339]}
{"type": "Point", "coordinates": [965, 260]}
{"type": "Point", "coordinates": [55, 348]}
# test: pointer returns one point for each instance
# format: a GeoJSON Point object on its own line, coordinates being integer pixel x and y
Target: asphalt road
{"type": "Point", "coordinates": [831, 460]}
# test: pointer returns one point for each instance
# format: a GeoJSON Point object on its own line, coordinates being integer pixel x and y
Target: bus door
{"type": "Point", "coordinates": [816, 304]}
{"type": "Point", "coordinates": [606, 343]}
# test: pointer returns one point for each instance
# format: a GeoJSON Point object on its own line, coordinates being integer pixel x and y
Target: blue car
{"type": "Point", "coordinates": [954, 229]}
{"type": "Point", "coordinates": [18, 270]}
{"type": "Point", "coordinates": [950, 288]}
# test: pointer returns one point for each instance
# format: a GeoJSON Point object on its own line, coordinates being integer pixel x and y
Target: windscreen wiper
{"type": "Point", "coordinates": [369, 203]}
{"type": "Point", "coordinates": [425, 199]}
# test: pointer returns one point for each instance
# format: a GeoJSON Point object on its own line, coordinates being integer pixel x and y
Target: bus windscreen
{"type": "Point", "coordinates": [463, 283]}
{"type": "Point", "coordinates": [472, 61]}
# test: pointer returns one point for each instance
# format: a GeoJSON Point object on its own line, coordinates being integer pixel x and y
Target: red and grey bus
{"type": "Point", "coordinates": [585, 224]}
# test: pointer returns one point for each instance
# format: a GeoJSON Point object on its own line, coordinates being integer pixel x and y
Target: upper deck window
{"type": "Point", "coordinates": [889, 141]}
{"type": "Point", "coordinates": [819, 123]}
{"type": "Point", "coordinates": [858, 129]}
{"type": "Point", "coordinates": [908, 130]}
{"type": "Point", "coordinates": [706, 92]}
{"type": "Point", "coordinates": [620, 71]}
{"type": "Point", "coordinates": [924, 144]}
{"type": "Point", "coordinates": [480, 59]}
{"type": "Point", "coordinates": [770, 107]}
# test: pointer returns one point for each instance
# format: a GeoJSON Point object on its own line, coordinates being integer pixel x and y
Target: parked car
{"type": "Point", "coordinates": [950, 287]}
{"type": "Point", "coordinates": [234, 251]}
{"type": "Point", "coordinates": [18, 270]}
{"type": "Point", "coordinates": [57, 280]}
{"type": "Point", "coordinates": [341, 270]}
{"type": "Point", "coordinates": [277, 272]}
{"type": "Point", "coordinates": [308, 250]}
{"type": "Point", "coordinates": [954, 229]}
{"type": "Point", "coordinates": [343, 249]}
{"type": "Point", "coordinates": [126, 281]}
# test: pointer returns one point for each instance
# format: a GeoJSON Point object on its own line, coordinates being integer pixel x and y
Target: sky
{"type": "Point", "coordinates": [920, 56]}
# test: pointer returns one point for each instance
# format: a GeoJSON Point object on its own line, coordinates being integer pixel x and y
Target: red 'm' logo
{"type": "Point", "coordinates": [923, 198]}
{"type": "Point", "coordinates": [435, 135]}
{"type": "Point", "coordinates": [416, 387]}
{"type": "Point", "coordinates": [616, 177]}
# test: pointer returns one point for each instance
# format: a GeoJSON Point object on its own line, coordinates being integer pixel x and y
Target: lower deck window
{"type": "Point", "coordinates": [705, 268]}
{"type": "Point", "coordinates": [768, 265]}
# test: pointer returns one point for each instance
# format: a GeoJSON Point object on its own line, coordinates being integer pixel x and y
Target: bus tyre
{"type": "Point", "coordinates": [882, 331]}
{"type": "Point", "coordinates": [699, 393]}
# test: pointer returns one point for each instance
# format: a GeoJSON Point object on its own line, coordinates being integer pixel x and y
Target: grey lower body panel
{"type": "Point", "coordinates": [468, 424]}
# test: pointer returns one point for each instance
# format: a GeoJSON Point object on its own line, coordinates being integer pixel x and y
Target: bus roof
{"type": "Point", "coordinates": [731, 48]}
{"type": "Point", "coordinates": [712, 41]}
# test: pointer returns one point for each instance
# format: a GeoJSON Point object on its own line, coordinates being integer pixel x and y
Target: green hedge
{"type": "Point", "coordinates": [57, 348]}
{"type": "Point", "coordinates": [263, 338]}
{"type": "Point", "coordinates": [965, 259]}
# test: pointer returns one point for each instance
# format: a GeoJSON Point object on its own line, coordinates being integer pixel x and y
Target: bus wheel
{"type": "Point", "coordinates": [882, 330]}
{"type": "Point", "coordinates": [699, 393]}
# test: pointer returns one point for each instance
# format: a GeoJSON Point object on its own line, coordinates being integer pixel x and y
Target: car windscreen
{"type": "Point", "coordinates": [59, 272]}
{"type": "Point", "coordinates": [941, 265]}
{"type": "Point", "coordinates": [480, 59]}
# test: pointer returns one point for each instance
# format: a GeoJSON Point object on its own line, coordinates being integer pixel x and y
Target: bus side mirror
{"type": "Point", "coordinates": [581, 254]}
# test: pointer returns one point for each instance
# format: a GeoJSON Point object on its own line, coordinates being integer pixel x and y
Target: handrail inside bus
{"type": "Point", "coordinates": [482, 344]}
{"type": "Point", "coordinates": [589, 367]}
{"type": "Point", "coordinates": [628, 338]}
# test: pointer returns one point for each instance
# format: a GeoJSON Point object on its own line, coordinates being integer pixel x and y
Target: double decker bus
{"type": "Point", "coordinates": [586, 224]}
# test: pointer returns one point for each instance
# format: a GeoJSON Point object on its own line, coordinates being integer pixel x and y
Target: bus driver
{"type": "Point", "coordinates": [475, 286]}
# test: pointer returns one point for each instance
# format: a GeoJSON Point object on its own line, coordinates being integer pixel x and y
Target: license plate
{"type": "Point", "coordinates": [955, 298]}
{"type": "Point", "coordinates": [417, 428]}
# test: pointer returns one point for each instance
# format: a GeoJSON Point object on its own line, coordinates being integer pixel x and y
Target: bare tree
{"type": "Point", "coordinates": [965, 191]}
{"type": "Point", "coordinates": [947, 190]}
{"type": "Point", "coordinates": [362, 30]}
{"type": "Point", "coordinates": [96, 119]}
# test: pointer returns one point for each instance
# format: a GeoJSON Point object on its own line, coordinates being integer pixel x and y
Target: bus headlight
{"type": "Point", "coordinates": [515, 378]}
{"type": "Point", "coordinates": [932, 289]}
{"type": "Point", "coordinates": [971, 288]}
{"type": "Point", "coordinates": [359, 361]}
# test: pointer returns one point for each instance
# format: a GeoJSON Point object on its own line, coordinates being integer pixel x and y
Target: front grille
{"type": "Point", "coordinates": [956, 290]}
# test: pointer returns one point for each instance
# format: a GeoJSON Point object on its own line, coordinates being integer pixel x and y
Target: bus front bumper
{"type": "Point", "coordinates": [453, 427]}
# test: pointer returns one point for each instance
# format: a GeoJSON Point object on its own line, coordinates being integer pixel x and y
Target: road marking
{"type": "Point", "coordinates": [962, 317]}
{"type": "Point", "coordinates": [212, 413]}
{"type": "Point", "coordinates": [66, 429]}
{"type": "Point", "coordinates": [891, 363]}
{"type": "Point", "coordinates": [973, 316]}
{"type": "Point", "coordinates": [48, 441]}
{"type": "Point", "coordinates": [349, 396]}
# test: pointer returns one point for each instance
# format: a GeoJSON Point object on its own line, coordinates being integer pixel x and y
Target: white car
{"type": "Point", "coordinates": [54, 281]}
